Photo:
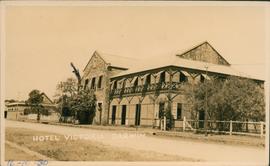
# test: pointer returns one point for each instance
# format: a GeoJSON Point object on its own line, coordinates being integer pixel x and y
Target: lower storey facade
{"type": "Point", "coordinates": [147, 110]}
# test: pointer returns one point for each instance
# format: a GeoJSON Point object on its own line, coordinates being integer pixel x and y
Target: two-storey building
{"type": "Point", "coordinates": [133, 91]}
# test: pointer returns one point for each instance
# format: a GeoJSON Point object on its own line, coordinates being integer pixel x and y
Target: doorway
{"type": "Point", "coordinates": [123, 115]}
{"type": "Point", "coordinates": [100, 112]}
{"type": "Point", "coordinates": [138, 115]}
{"type": "Point", "coordinates": [201, 119]}
{"type": "Point", "coordinates": [161, 110]}
{"type": "Point", "coordinates": [113, 114]}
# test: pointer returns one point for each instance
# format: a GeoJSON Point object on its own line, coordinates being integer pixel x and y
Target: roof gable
{"type": "Point", "coordinates": [115, 61]}
{"type": "Point", "coordinates": [204, 53]}
{"type": "Point", "coordinates": [93, 56]}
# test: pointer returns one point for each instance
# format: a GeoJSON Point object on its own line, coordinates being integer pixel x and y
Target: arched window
{"type": "Point", "coordinates": [100, 81]}
{"type": "Point", "coordinates": [86, 83]}
{"type": "Point", "coordinates": [93, 83]}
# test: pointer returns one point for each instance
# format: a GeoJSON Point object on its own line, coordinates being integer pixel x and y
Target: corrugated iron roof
{"type": "Point", "coordinates": [118, 61]}
{"type": "Point", "coordinates": [135, 65]}
{"type": "Point", "coordinates": [158, 62]}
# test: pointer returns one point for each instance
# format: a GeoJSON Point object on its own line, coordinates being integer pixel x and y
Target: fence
{"type": "Point", "coordinates": [53, 117]}
{"type": "Point", "coordinates": [226, 127]}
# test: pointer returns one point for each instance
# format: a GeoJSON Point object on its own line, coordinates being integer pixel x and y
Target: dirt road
{"type": "Point", "coordinates": [209, 152]}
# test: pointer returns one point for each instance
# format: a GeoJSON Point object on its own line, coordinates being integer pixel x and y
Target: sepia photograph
{"type": "Point", "coordinates": [134, 83]}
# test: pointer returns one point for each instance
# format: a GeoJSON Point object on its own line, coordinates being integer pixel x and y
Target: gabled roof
{"type": "Point", "coordinates": [118, 61]}
{"type": "Point", "coordinates": [133, 65]}
{"type": "Point", "coordinates": [114, 60]}
{"type": "Point", "coordinates": [197, 54]}
{"type": "Point", "coordinates": [188, 64]}
{"type": "Point", "coordinates": [177, 61]}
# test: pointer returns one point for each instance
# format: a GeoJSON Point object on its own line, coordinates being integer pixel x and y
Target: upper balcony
{"type": "Point", "coordinates": [143, 89]}
{"type": "Point", "coordinates": [156, 82]}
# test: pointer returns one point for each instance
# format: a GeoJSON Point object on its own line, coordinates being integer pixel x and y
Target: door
{"type": "Point", "coordinates": [138, 115]}
{"type": "Point", "coordinates": [113, 113]}
{"type": "Point", "coordinates": [201, 119]}
{"type": "Point", "coordinates": [100, 112]}
{"type": "Point", "coordinates": [161, 110]}
{"type": "Point", "coordinates": [123, 115]}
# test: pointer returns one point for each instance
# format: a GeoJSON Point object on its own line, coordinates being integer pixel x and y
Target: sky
{"type": "Point", "coordinates": [41, 41]}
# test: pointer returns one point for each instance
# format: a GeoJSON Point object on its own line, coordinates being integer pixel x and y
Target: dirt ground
{"type": "Point", "coordinates": [12, 153]}
{"type": "Point", "coordinates": [75, 150]}
{"type": "Point", "coordinates": [187, 148]}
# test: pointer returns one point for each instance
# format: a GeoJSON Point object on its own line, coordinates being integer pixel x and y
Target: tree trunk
{"type": "Point", "coordinates": [38, 115]}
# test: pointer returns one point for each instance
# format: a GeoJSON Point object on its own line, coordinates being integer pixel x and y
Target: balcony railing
{"type": "Point", "coordinates": [157, 87]}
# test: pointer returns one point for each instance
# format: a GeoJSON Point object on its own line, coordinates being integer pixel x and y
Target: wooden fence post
{"type": "Point", "coordinates": [261, 129]}
{"type": "Point", "coordinates": [184, 123]}
{"type": "Point", "coordinates": [230, 127]}
{"type": "Point", "coordinates": [164, 123]}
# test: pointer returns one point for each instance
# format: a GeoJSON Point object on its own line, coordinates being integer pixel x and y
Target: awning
{"type": "Point", "coordinates": [158, 74]}
{"type": "Point", "coordinates": [112, 84]}
{"type": "Point", "coordinates": [144, 77]}
{"type": "Point", "coordinates": [134, 79]}
{"type": "Point", "coordinates": [121, 82]}
{"type": "Point", "coordinates": [206, 76]}
{"type": "Point", "coordinates": [185, 73]}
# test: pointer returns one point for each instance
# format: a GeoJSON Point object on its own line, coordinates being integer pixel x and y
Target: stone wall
{"type": "Point", "coordinates": [95, 68]}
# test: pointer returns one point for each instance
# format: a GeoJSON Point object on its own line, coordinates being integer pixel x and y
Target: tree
{"type": "Point", "coordinates": [66, 88]}
{"type": "Point", "coordinates": [243, 99]}
{"type": "Point", "coordinates": [65, 91]}
{"type": "Point", "coordinates": [74, 102]}
{"type": "Point", "coordinates": [233, 98]}
{"type": "Point", "coordinates": [35, 102]}
{"type": "Point", "coordinates": [83, 105]}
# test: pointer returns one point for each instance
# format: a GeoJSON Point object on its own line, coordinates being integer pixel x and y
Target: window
{"type": "Point", "coordinates": [183, 78]}
{"type": "Point", "coordinates": [86, 83]}
{"type": "Point", "coordinates": [148, 80]}
{"type": "Point", "coordinates": [179, 111]}
{"type": "Point", "coordinates": [100, 81]}
{"type": "Point", "coordinates": [135, 82]}
{"type": "Point", "coordinates": [93, 83]}
{"type": "Point", "coordinates": [162, 77]}
{"type": "Point", "coordinates": [202, 78]}
{"type": "Point", "coordinates": [115, 85]}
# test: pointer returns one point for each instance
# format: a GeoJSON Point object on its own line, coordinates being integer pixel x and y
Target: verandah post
{"type": "Point", "coordinates": [261, 129]}
{"type": "Point", "coordinates": [184, 123]}
{"type": "Point", "coordinates": [230, 127]}
{"type": "Point", "coordinates": [164, 123]}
